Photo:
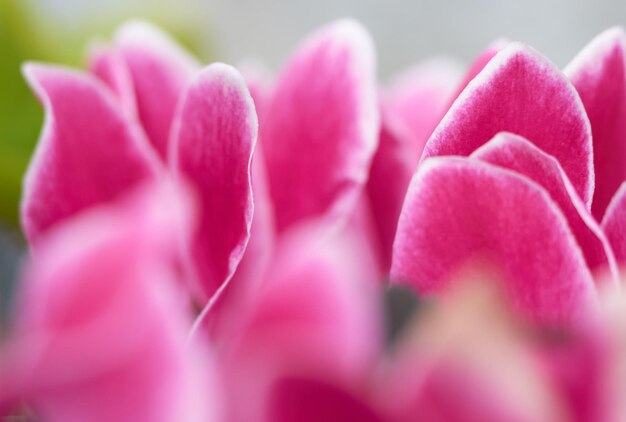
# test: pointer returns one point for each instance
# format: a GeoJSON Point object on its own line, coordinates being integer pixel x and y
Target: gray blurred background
{"type": "Point", "coordinates": [404, 31]}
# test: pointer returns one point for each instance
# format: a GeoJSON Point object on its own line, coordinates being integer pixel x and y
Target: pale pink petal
{"type": "Point", "coordinates": [460, 211]}
{"type": "Point", "coordinates": [89, 150]}
{"type": "Point", "coordinates": [599, 75]}
{"type": "Point", "coordinates": [320, 129]}
{"type": "Point", "coordinates": [100, 331]}
{"type": "Point", "coordinates": [109, 66]}
{"type": "Point", "coordinates": [417, 99]}
{"type": "Point", "coordinates": [309, 400]}
{"type": "Point", "coordinates": [160, 71]}
{"type": "Point", "coordinates": [614, 224]}
{"type": "Point", "coordinates": [466, 359]}
{"type": "Point", "coordinates": [519, 91]}
{"type": "Point", "coordinates": [311, 317]}
{"type": "Point", "coordinates": [518, 154]}
{"type": "Point", "coordinates": [214, 135]}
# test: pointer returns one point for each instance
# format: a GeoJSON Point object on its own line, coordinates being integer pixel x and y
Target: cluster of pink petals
{"type": "Point", "coordinates": [207, 246]}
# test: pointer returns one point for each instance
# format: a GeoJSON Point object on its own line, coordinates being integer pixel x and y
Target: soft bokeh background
{"type": "Point", "coordinates": [265, 30]}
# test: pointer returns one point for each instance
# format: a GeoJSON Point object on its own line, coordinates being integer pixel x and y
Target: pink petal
{"type": "Point", "coordinates": [519, 91]}
{"type": "Point", "coordinates": [458, 212]}
{"type": "Point", "coordinates": [309, 400]}
{"type": "Point", "coordinates": [109, 66]}
{"type": "Point", "coordinates": [417, 99]}
{"type": "Point", "coordinates": [320, 128]}
{"type": "Point", "coordinates": [518, 154]}
{"type": "Point", "coordinates": [89, 150]}
{"type": "Point", "coordinates": [614, 224]}
{"type": "Point", "coordinates": [599, 75]}
{"type": "Point", "coordinates": [100, 332]}
{"type": "Point", "coordinates": [411, 108]}
{"type": "Point", "coordinates": [160, 71]}
{"type": "Point", "coordinates": [213, 138]}
{"type": "Point", "coordinates": [311, 316]}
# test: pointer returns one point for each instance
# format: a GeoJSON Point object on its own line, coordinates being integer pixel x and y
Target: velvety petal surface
{"type": "Point", "coordinates": [518, 154]}
{"type": "Point", "coordinates": [89, 150]}
{"type": "Point", "coordinates": [614, 224]}
{"type": "Point", "coordinates": [519, 91]}
{"type": "Point", "coordinates": [100, 331]}
{"type": "Point", "coordinates": [460, 212]}
{"type": "Point", "coordinates": [320, 129]}
{"type": "Point", "coordinates": [160, 70]}
{"type": "Point", "coordinates": [599, 75]}
{"type": "Point", "coordinates": [213, 138]}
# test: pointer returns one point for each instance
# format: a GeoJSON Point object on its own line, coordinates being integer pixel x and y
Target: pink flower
{"type": "Point", "coordinates": [99, 331]}
{"type": "Point", "coordinates": [146, 112]}
{"type": "Point", "coordinates": [520, 195]}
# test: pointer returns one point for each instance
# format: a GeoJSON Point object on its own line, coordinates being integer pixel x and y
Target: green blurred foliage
{"type": "Point", "coordinates": [24, 36]}
{"type": "Point", "coordinates": [20, 115]}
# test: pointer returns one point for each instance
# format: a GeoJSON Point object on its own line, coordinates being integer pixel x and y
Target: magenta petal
{"type": "Point", "coordinates": [109, 66]}
{"type": "Point", "coordinates": [160, 71]}
{"type": "Point", "coordinates": [518, 154]}
{"type": "Point", "coordinates": [100, 332]}
{"type": "Point", "coordinates": [599, 75]}
{"type": "Point", "coordinates": [459, 211]}
{"type": "Point", "coordinates": [308, 400]}
{"type": "Point", "coordinates": [614, 224]}
{"type": "Point", "coordinates": [89, 151]}
{"type": "Point", "coordinates": [519, 91]}
{"type": "Point", "coordinates": [320, 129]}
{"type": "Point", "coordinates": [213, 138]}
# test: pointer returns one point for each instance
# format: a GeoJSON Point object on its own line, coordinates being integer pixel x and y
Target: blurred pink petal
{"type": "Point", "coordinates": [519, 91]}
{"type": "Point", "coordinates": [518, 154]}
{"type": "Point", "coordinates": [108, 65]}
{"type": "Point", "coordinates": [89, 152]}
{"type": "Point", "coordinates": [466, 359]}
{"type": "Point", "coordinates": [458, 210]}
{"type": "Point", "coordinates": [411, 108]}
{"type": "Point", "coordinates": [614, 224]}
{"type": "Point", "coordinates": [311, 317]}
{"type": "Point", "coordinates": [214, 134]}
{"type": "Point", "coordinates": [160, 71]}
{"type": "Point", "coordinates": [295, 399]}
{"type": "Point", "coordinates": [100, 333]}
{"type": "Point", "coordinates": [599, 75]}
{"type": "Point", "coordinates": [319, 131]}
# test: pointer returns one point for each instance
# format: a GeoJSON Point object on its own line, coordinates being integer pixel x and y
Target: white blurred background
{"type": "Point", "coordinates": [404, 31]}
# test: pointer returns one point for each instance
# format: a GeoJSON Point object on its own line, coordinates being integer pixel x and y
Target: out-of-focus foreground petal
{"type": "Point", "coordinates": [458, 210]}
{"type": "Point", "coordinates": [518, 154]}
{"type": "Point", "coordinates": [160, 70]}
{"type": "Point", "coordinates": [214, 135]}
{"type": "Point", "coordinates": [320, 129]}
{"type": "Point", "coordinates": [466, 359]}
{"type": "Point", "coordinates": [89, 152]}
{"type": "Point", "coordinates": [312, 318]}
{"type": "Point", "coordinates": [599, 75]}
{"type": "Point", "coordinates": [100, 331]}
{"type": "Point", "coordinates": [519, 91]}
